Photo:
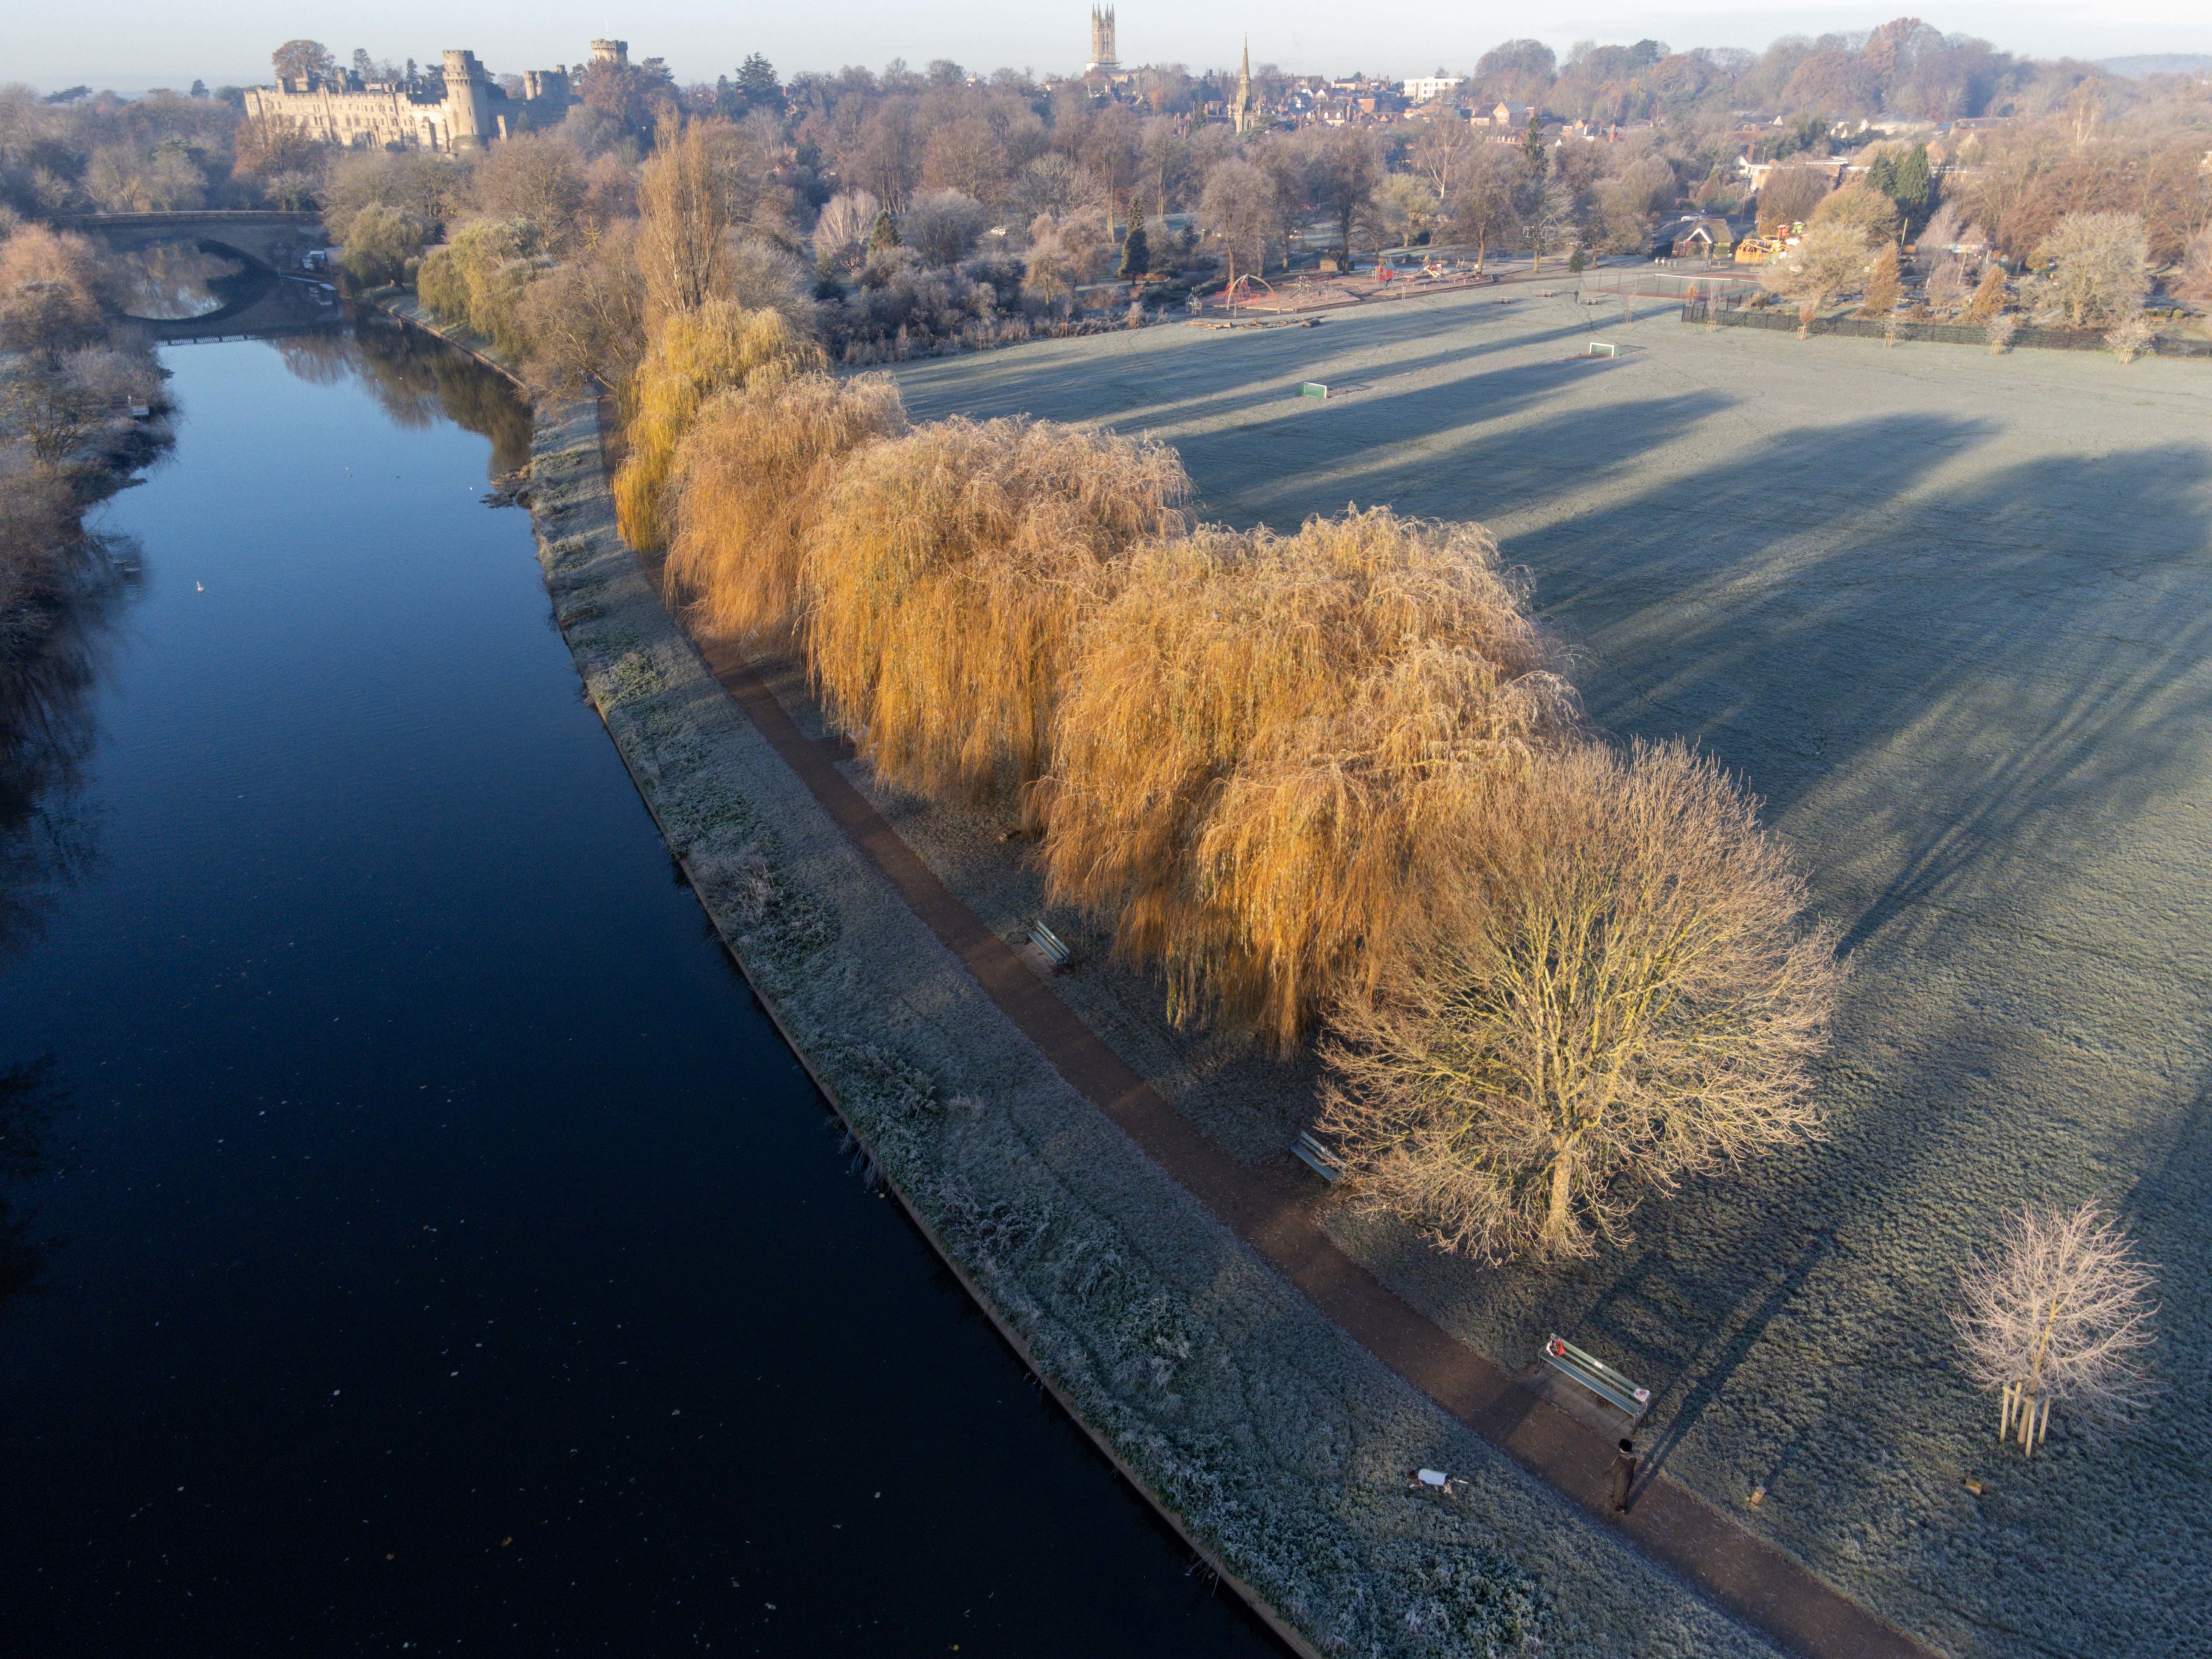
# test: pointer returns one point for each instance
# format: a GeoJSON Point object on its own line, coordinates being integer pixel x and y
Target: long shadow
{"type": "Point", "coordinates": [1065, 380]}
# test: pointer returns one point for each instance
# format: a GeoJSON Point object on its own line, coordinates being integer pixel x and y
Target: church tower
{"type": "Point", "coordinates": [1103, 60]}
{"type": "Point", "coordinates": [1241, 113]}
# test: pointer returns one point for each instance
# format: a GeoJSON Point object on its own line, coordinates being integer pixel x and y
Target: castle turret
{"type": "Point", "coordinates": [469, 122]}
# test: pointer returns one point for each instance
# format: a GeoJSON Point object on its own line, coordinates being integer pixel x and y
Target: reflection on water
{"type": "Point", "coordinates": [29, 1101]}
{"type": "Point", "coordinates": [46, 840]}
{"type": "Point", "coordinates": [418, 381]}
{"type": "Point", "coordinates": [171, 281]}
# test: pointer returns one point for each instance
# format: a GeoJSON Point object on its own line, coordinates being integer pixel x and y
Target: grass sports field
{"type": "Point", "coordinates": [1951, 615]}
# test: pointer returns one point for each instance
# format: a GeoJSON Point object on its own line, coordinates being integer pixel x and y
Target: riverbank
{"type": "Point", "coordinates": [1273, 1442]}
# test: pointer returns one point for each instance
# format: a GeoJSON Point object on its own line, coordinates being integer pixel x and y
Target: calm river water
{"type": "Point", "coordinates": [436, 1250]}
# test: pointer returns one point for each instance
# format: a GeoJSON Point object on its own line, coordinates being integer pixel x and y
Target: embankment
{"type": "Point", "coordinates": [1275, 1443]}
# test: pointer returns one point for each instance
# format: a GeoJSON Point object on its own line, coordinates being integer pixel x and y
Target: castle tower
{"type": "Point", "coordinates": [1103, 60]}
{"type": "Point", "coordinates": [612, 54]}
{"type": "Point", "coordinates": [468, 121]}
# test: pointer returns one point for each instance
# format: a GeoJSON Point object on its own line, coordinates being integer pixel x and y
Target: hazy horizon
{"type": "Point", "coordinates": [174, 47]}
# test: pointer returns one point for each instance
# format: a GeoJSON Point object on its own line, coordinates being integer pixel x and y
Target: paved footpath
{"type": "Point", "coordinates": [1271, 1206]}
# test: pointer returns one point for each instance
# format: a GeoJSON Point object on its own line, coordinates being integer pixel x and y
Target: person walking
{"type": "Point", "coordinates": [1624, 1473]}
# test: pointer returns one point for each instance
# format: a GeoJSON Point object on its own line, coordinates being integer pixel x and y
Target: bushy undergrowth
{"type": "Point", "coordinates": [1269, 743]}
{"type": "Point", "coordinates": [747, 480]}
{"type": "Point", "coordinates": [948, 577]}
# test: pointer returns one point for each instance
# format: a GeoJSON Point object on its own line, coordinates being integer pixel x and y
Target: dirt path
{"type": "Point", "coordinates": [1271, 1205]}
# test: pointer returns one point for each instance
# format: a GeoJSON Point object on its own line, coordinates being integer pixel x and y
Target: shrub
{"type": "Point", "coordinates": [751, 475]}
{"type": "Point", "coordinates": [1265, 735]}
{"type": "Point", "coordinates": [694, 354]}
{"type": "Point", "coordinates": [2132, 338]}
{"type": "Point", "coordinates": [947, 577]}
{"type": "Point", "coordinates": [1626, 994]}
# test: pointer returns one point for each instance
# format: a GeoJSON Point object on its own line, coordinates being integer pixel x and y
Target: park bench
{"type": "Point", "coordinates": [1316, 1155]}
{"type": "Point", "coordinates": [1599, 1378]}
{"type": "Point", "coordinates": [1050, 946]}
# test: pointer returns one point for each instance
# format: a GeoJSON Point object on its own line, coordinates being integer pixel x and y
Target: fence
{"type": "Point", "coordinates": [1729, 315]}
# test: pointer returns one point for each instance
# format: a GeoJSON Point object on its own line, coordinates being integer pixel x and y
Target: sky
{"type": "Point", "coordinates": [132, 45]}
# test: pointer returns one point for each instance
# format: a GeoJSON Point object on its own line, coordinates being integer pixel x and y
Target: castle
{"type": "Point", "coordinates": [466, 111]}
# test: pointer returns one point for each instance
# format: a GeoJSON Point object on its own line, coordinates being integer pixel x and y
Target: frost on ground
{"type": "Point", "coordinates": [1951, 615]}
{"type": "Point", "coordinates": [1280, 1445]}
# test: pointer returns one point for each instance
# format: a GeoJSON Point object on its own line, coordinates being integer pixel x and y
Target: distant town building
{"type": "Point", "coordinates": [1103, 59]}
{"type": "Point", "coordinates": [1243, 111]}
{"type": "Point", "coordinates": [1423, 89]}
{"type": "Point", "coordinates": [464, 109]}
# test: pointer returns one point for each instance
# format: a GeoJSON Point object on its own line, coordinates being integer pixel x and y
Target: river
{"type": "Point", "coordinates": [434, 1249]}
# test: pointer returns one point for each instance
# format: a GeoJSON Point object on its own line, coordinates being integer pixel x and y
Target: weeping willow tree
{"type": "Point", "coordinates": [751, 476]}
{"type": "Point", "coordinates": [692, 355]}
{"type": "Point", "coordinates": [947, 578]}
{"type": "Point", "coordinates": [1266, 740]}
{"type": "Point", "coordinates": [1626, 993]}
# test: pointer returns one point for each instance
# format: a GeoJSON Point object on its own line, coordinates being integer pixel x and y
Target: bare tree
{"type": "Point", "coordinates": [1948, 286]}
{"type": "Point", "coordinates": [1483, 208]}
{"type": "Point", "coordinates": [1625, 994]}
{"type": "Point", "coordinates": [1828, 259]}
{"type": "Point", "coordinates": [841, 233]}
{"type": "Point", "coordinates": [942, 225]}
{"type": "Point", "coordinates": [1238, 210]}
{"type": "Point", "coordinates": [2060, 1313]}
{"type": "Point", "coordinates": [2195, 282]}
{"type": "Point", "coordinates": [1343, 166]}
{"type": "Point", "coordinates": [2098, 266]}
{"type": "Point", "coordinates": [682, 216]}
{"type": "Point", "coordinates": [1550, 218]}
{"type": "Point", "coordinates": [1443, 152]}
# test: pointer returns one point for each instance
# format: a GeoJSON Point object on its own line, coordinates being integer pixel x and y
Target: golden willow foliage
{"type": "Point", "coordinates": [1625, 995]}
{"type": "Point", "coordinates": [693, 355]}
{"type": "Point", "coordinates": [948, 576]}
{"type": "Point", "coordinates": [750, 477]}
{"type": "Point", "coordinates": [1264, 755]}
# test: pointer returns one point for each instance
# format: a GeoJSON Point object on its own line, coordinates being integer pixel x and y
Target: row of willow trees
{"type": "Point", "coordinates": [1332, 784]}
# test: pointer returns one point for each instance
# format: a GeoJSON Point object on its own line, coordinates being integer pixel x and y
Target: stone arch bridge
{"type": "Point", "coordinates": [271, 295]}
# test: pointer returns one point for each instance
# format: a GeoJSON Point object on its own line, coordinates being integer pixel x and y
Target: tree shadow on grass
{"type": "Point", "coordinates": [1137, 382]}
{"type": "Point", "coordinates": [1958, 703]}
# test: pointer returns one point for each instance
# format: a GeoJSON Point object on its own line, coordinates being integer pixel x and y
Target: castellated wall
{"type": "Point", "coordinates": [471, 114]}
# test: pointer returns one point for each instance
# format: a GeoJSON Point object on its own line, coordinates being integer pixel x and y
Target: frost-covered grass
{"type": "Point", "coordinates": [1951, 615]}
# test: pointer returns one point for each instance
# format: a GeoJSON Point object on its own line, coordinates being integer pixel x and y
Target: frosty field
{"type": "Point", "coordinates": [1947, 613]}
